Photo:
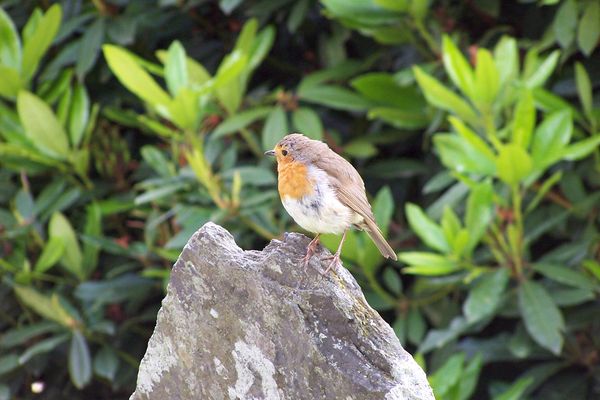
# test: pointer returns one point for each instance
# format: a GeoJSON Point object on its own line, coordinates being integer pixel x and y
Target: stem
{"type": "Point", "coordinates": [426, 36]}
{"type": "Point", "coordinates": [518, 246]}
{"type": "Point", "coordinates": [252, 143]}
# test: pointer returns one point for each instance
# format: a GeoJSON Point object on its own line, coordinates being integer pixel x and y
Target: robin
{"type": "Point", "coordinates": [323, 193]}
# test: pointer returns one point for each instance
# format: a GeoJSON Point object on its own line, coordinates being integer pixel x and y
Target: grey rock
{"type": "Point", "coordinates": [255, 325]}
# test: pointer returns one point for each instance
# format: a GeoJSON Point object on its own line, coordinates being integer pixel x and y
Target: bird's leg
{"type": "Point", "coordinates": [310, 250]}
{"type": "Point", "coordinates": [336, 257]}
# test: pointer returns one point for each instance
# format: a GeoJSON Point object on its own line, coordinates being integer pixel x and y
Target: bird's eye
{"type": "Point", "coordinates": [284, 152]}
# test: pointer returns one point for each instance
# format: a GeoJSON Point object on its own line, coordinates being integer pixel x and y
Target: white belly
{"type": "Point", "coordinates": [321, 212]}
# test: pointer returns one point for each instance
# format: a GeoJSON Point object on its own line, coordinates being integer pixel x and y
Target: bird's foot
{"type": "Point", "coordinates": [335, 262]}
{"type": "Point", "coordinates": [310, 251]}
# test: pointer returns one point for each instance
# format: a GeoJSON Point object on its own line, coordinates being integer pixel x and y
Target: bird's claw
{"type": "Point", "coordinates": [335, 261]}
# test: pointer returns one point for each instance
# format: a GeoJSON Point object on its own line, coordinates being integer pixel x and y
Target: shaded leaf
{"type": "Point", "coordinates": [485, 296]}
{"type": "Point", "coordinates": [80, 364]}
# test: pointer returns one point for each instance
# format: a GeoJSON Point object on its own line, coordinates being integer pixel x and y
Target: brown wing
{"type": "Point", "coordinates": [351, 192]}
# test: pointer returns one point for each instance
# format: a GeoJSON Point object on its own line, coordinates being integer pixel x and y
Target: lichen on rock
{"type": "Point", "coordinates": [255, 325]}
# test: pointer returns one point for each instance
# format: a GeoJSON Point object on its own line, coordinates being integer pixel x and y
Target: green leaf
{"type": "Point", "coordinates": [176, 69]}
{"type": "Point", "coordinates": [479, 213]}
{"type": "Point", "coordinates": [80, 364]}
{"type": "Point", "coordinates": [307, 122]}
{"type": "Point", "coordinates": [52, 252]}
{"type": "Point", "coordinates": [580, 149]}
{"type": "Point", "coordinates": [106, 363]}
{"type": "Point", "coordinates": [541, 192]}
{"type": "Point", "coordinates": [447, 375]}
{"type": "Point", "coordinates": [430, 264]}
{"type": "Point", "coordinates": [72, 258]}
{"type": "Point", "coordinates": [513, 164]}
{"type": "Point", "coordinates": [261, 46]}
{"type": "Point", "coordinates": [588, 33]}
{"type": "Point", "coordinates": [42, 346]}
{"type": "Point", "coordinates": [384, 89]}
{"type": "Point", "coordinates": [450, 224]}
{"type": "Point", "coordinates": [383, 208]}
{"type": "Point", "coordinates": [275, 128]}
{"type": "Point", "coordinates": [469, 377]}
{"type": "Point", "coordinates": [10, 84]}
{"type": "Point", "coordinates": [360, 148]}
{"type": "Point", "coordinates": [79, 114]}
{"type": "Point", "coordinates": [230, 68]}
{"type": "Point", "coordinates": [543, 71]}
{"type": "Point", "coordinates": [41, 126]}
{"type": "Point", "coordinates": [516, 390]}
{"type": "Point", "coordinates": [506, 57]}
{"type": "Point", "coordinates": [8, 363]}
{"type": "Point", "coordinates": [89, 48]}
{"type": "Point", "coordinates": [93, 227]}
{"type": "Point", "coordinates": [10, 45]}
{"type": "Point", "coordinates": [458, 67]}
{"type": "Point", "coordinates": [126, 68]}
{"type": "Point", "coordinates": [460, 155]}
{"type": "Point", "coordinates": [442, 97]}
{"type": "Point", "coordinates": [474, 140]}
{"type": "Point", "coordinates": [542, 318]}
{"type": "Point", "coordinates": [19, 335]}
{"type": "Point", "coordinates": [239, 121]}
{"type": "Point", "coordinates": [487, 79]}
{"type": "Point", "coordinates": [565, 23]}
{"type": "Point", "coordinates": [47, 307]}
{"type": "Point", "coordinates": [335, 97]}
{"type": "Point", "coordinates": [485, 296]}
{"type": "Point", "coordinates": [584, 88]}
{"type": "Point", "coordinates": [426, 229]}
{"type": "Point", "coordinates": [523, 120]}
{"type": "Point", "coordinates": [36, 44]}
{"type": "Point", "coordinates": [564, 275]}
{"type": "Point", "coordinates": [550, 138]}
{"type": "Point", "coordinates": [297, 15]}
{"type": "Point", "coordinates": [400, 118]}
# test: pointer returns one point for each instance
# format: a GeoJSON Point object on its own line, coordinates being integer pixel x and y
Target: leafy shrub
{"type": "Point", "coordinates": [125, 125]}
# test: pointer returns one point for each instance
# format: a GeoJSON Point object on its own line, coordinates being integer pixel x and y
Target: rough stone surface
{"type": "Point", "coordinates": [254, 325]}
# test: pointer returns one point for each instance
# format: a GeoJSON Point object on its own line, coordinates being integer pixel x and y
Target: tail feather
{"type": "Point", "coordinates": [377, 237]}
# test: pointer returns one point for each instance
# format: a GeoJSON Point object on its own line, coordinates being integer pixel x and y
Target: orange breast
{"type": "Point", "coordinates": [293, 180]}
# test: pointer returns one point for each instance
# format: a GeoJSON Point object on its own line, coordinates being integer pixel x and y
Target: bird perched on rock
{"type": "Point", "coordinates": [323, 193]}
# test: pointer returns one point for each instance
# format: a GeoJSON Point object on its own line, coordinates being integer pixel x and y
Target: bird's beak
{"type": "Point", "coordinates": [270, 153]}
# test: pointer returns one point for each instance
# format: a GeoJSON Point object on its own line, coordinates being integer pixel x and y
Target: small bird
{"type": "Point", "coordinates": [323, 193]}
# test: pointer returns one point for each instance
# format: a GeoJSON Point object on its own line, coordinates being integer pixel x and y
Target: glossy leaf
{"type": "Point", "coordinates": [240, 121]}
{"type": "Point", "coordinates": [307, 122]}
{"type": "Point", "coordinates": [176, 69]}
{"type": "Point", "coordinates": [565, 275]}
{"type": "Point", "coordinates": [36, 44]}
{"type": "Point", "coordinates": [523, 120]}
{"type": "Point", "coordinates": [53, 251]}
{"type": "Point", "coordinates": [479, 213]}
{"type": "Point", "coordinates": [581, 149]}
{"type": "Point", "coordinates": [334, 97]}
{"type": "Point", "coordinates": [458, 67]}
{"type": "Point", "coordinates": [42, 126]}
{"type": "Point", "coordinates": [588, 32]}
{"type": "Point", "coordinates": [72, 258]}
{"type": "Point", "coordinates": [10, 45]}
{"type": "Point", "coordinates": [441, 97]}
{"type": "Point", "coordinates": [543, 71]}
{"type": "Point", "coordinates": [43, 346]}
{"type": "Point", "coordinates": [584, 88]}
{"type": "Point", "coordinates": [90, 48]}
{"type": "Point", "coordinates": [133, 76]}
{"type": "Point", "coordinates": [427, 230]}
{"type": "Point", "coordinates": [485, 295]}
{"type": "Point", "coordinates": [79, 114]}
{"type": "Point", "coordinates": [80, 364]}
{"type": "Point", "coordinates": [506, 57]}
{"type": "Point", "coordinates": [460, 155]}
{"type": "Point", "coordinates": [550, 138]}
{"type": "Point", "coordinates": [542, 318]}
{"type": "Point", "coordinates": [486, 79]}
{"type": "Point", "coordinates": [275, 128]}
{"type": "Point", "coordinates": [48, 307]}
{"type": "Point", "coordinates": [106, 363]}
{"type": "Point", "coordinates": [565, 23]}
{"type": "Point", "coordinates": [516, 390]}
{"type": "Point", "coordinates": [10, 84]}
{"type": "Point", "coordinates": [430, 264]}
{"type": "Point", "coordinates": [513, 164]}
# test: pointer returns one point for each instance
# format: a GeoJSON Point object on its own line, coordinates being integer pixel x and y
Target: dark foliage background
{"type": "Point", "coordinates": [125, 125]}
